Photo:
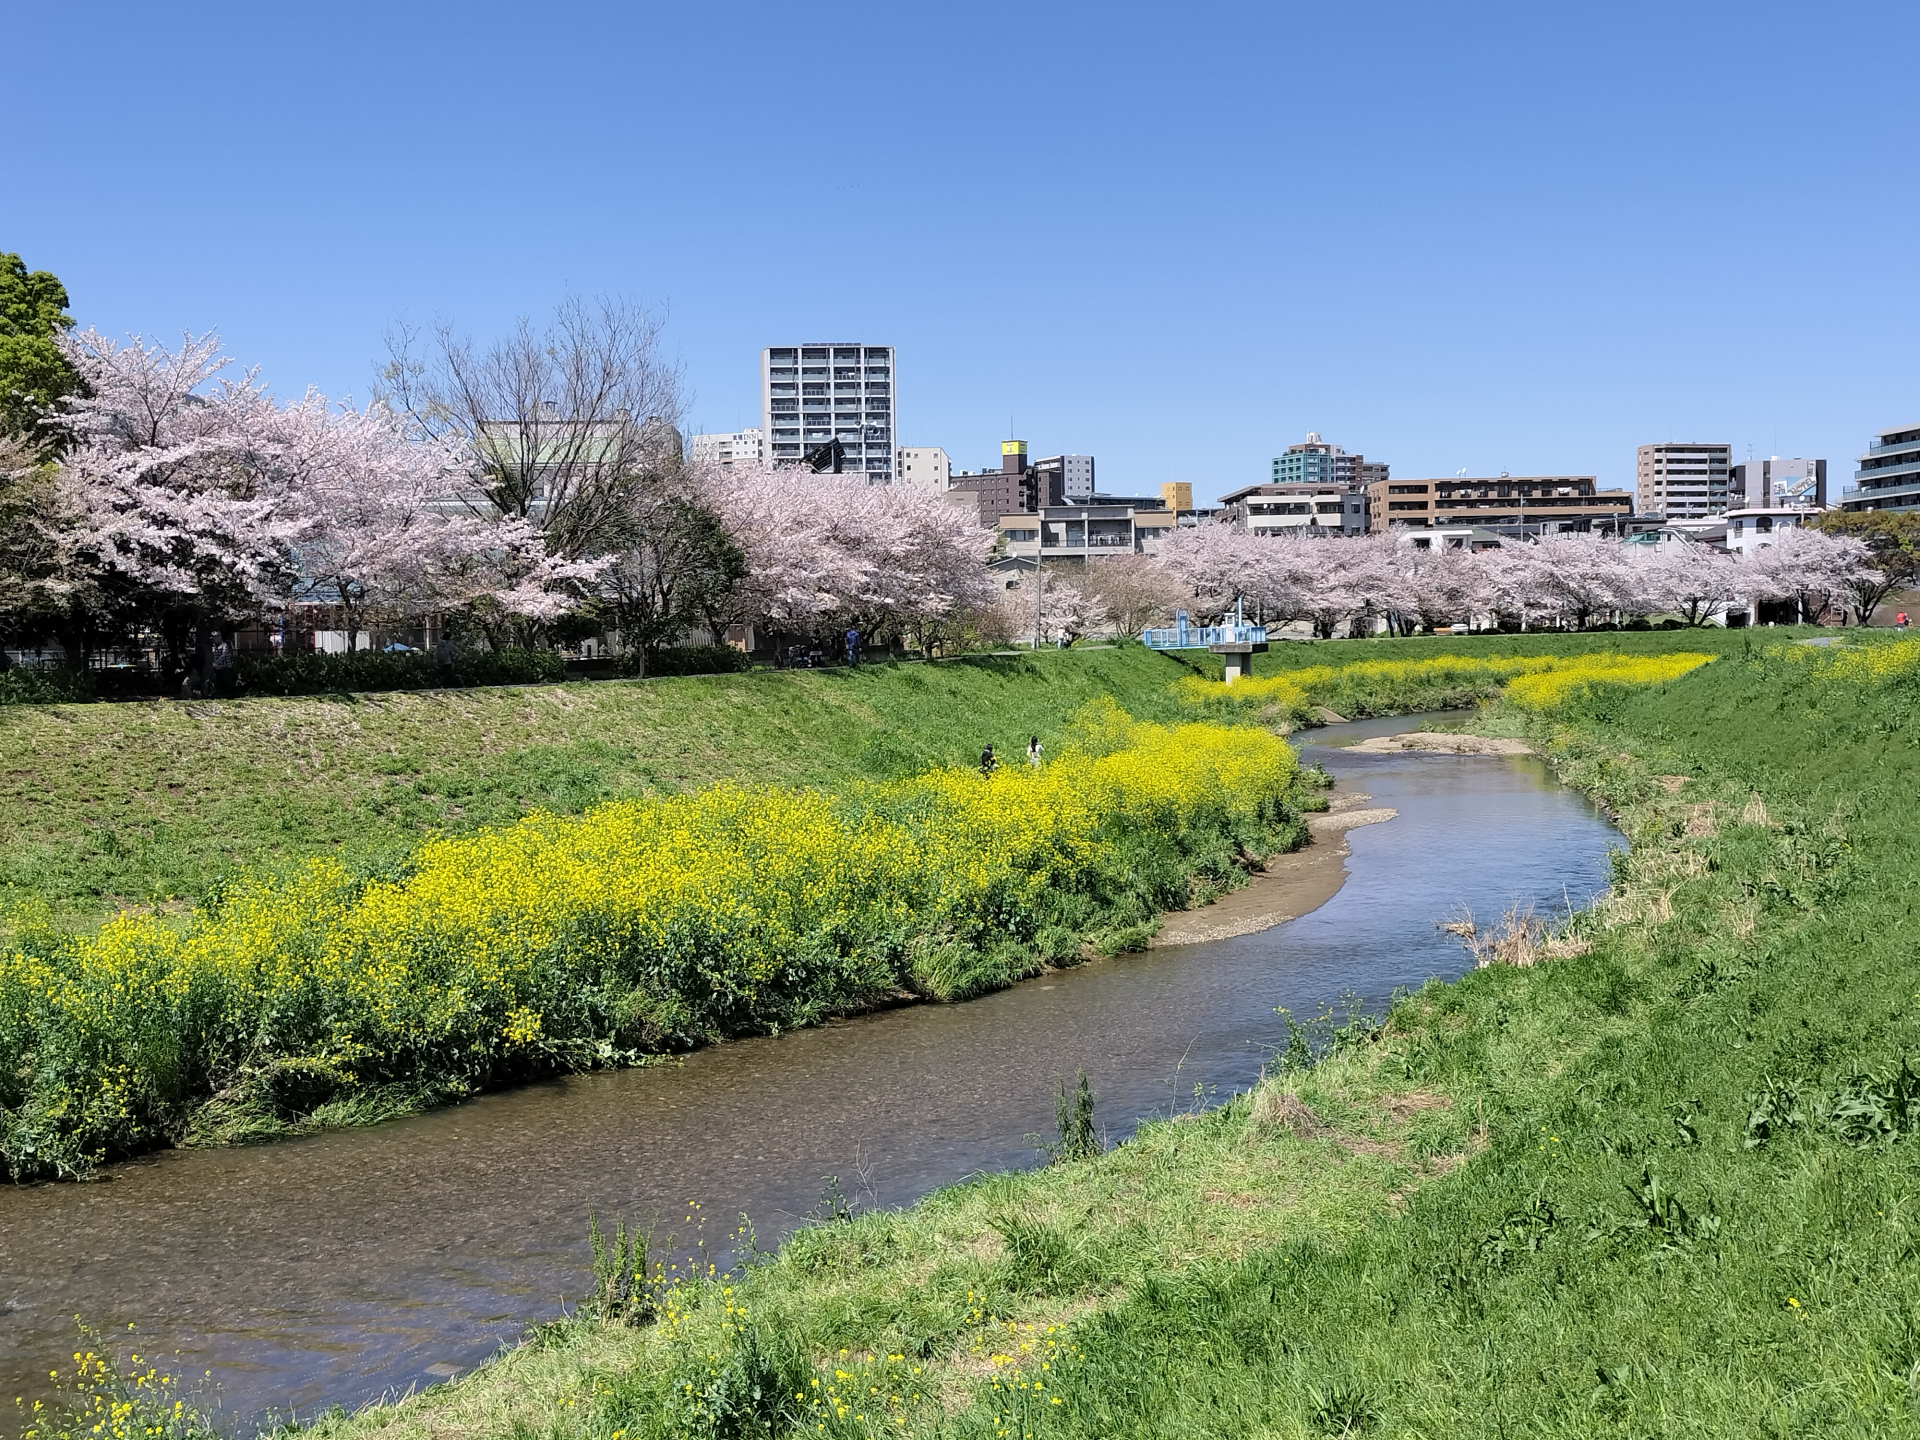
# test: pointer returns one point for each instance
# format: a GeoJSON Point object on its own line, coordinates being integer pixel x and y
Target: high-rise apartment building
{"type": "Point", "coordinates": [1775, 484]}
{"type": "Point", "coordinates": [813, 395]}
{"type": "Point", "coordinates": [1315, 462]}
{"type": "Point", "coordinates": [729, 447]}
{"type": "Point", "coordinates": [1889, 473]}
{"type": "Point", "coordinates": [1682, 481]}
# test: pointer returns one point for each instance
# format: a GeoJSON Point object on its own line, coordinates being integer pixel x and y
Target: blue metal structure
{"type": "Point", "coordinates": [1182, 636]}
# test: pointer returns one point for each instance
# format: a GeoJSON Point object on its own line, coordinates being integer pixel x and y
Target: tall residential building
{"type": "Point", "coordinates": [813, 395]}
{"type": "Point", "coordinates": [1682, 481]}
{"type": "Point", "coordinates": [1889, 473]}
{"type": "Point", "coordinates": [924, 465]}
{"type": "Point", "coordinates": [728, 448]}
{"type": "Point", "coordinates": [1775, 484]}
{"type": "Point", "coordinates": [1315, 462]}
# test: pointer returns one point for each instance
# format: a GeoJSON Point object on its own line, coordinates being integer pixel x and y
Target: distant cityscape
{"type": "Point", "coordinates": [831, 408]}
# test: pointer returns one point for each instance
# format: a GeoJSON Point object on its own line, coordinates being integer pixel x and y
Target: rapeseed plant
{"type": "Point", "coordinates": [638, 927]}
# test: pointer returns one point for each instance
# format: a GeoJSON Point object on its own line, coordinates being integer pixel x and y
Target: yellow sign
{"type": "Point", "coordinates": [1013, 447]}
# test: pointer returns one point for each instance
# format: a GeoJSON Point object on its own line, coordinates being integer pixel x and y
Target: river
{"type": "Point", "coordinates": [336, 1268]}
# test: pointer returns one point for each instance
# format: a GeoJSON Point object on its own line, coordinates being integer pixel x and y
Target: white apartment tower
{"type": "Point", "coordinates": [1682, 481]}
{"type": "Point", "coordinates": [812, 395]}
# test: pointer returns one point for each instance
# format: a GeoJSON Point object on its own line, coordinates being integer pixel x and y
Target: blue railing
{"type": "Point", "coordinates": [1182, 636]}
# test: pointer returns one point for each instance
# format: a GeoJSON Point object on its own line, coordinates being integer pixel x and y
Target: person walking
{"type": "Point", "coordinates": [1900, 620]}
{"type": "Point", "coordinates": [222, 659]}
{"type": "Point", "coordinates": [443, 658]}
{"type": "Point", "coordinates": [1033, 752]}
{"type": "Point", "coordinates": [853, 646]}
{"type": "Point", "coordinates": [987, 761]}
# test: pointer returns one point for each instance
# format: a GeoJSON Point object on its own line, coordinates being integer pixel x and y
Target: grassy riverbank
{"type": "Point", "coordinates": [333, 995]}
{"type": "Point", "coordinates": [140, 803]}
{"type": "Point", "coordinates": [1659, 1181]}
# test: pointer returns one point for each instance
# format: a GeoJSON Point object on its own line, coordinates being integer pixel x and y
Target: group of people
{"type": "Point", "coordinates": [211, 679]}
{"type": "Point", "coordinates": [989, 762]}
{"type": "Point", "coordinates": [802, 657]}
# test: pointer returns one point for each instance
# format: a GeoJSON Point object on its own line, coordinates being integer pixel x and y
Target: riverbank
{"type": "Point", "coordinates": [150, 805]}
{"type": "Point", "coordinates": [1653, 1186]}
{"type": "Point", "coordinates": [1286, 886]}
{"type": "Point", "coordinates": [329, 998]}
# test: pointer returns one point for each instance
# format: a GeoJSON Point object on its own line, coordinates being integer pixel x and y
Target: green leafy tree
{"type": "Point", "coordinates": [34, 375]}
{"type": "Point", "coordinates": [1892, 538]}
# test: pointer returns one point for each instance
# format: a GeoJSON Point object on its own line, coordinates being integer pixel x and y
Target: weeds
{"type": "Point", "coordinates": [1073, 1119]}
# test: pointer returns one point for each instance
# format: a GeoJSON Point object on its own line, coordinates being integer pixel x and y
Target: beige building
{"type": "Point", "coordinates": [1682, 480]}
{"type": "Point", "coordinates": [1084, 532]}
{"type": "Point", "coordinates": [924, 465]}
{"type": "Point", "coordinates": [729, 448]}
{"type": "Point", "coordinates": [1543, 503]}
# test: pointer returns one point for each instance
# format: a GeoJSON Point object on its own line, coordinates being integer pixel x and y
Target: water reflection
{"type": "Point", "coordinates": [332, 1269]}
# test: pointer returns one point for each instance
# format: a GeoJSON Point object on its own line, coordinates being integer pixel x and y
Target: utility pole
{"type": "Point", "coordinates": [1039, 580]}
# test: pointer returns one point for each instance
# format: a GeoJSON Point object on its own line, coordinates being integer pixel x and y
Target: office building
{"type": "Point", "coordinates": [729, 448]}
{"type": "Point", "coordinates": [1775, 484]}
{"type": "Point", "coordinates": [924, 465]}
{"type": "Point", "coordinates": [1889, 473]}
{"type": "Point", "coordinates": [1013, 487]}
{"type": "Point", "coordinates": [1315, 462]}
{"type": "Point", "coordinates": [814, 395]}
{"type": "Point", "coordinates": [1023, 485]}
{"type": "Point", "coordinates": [1317, 509]}
{"type": "Point", "coordinates": [1070, 476]}
{"type": "Point", "coordinates": [1682, 480]}
{"type": "Point", "coordinates": [1513, 504]}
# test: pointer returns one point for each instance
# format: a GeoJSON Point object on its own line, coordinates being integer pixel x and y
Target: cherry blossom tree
{"type": "Point", "coordinates": [201, 490]}
{"type": "Point", "coordinates": [1135, 590]}
{"type": "Point", "coordinates": [1813, 570]}
{"type": "Point", "coordinates": [1217, 564]}
{"type": "Point", "coordinates": [822, 552]}
{"type": "Point", "coordinates": [1690, 580]}
{"type": "Point", "coordinates": [1070, 607]}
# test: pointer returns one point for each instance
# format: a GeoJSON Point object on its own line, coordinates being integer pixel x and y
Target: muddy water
{"type": "Point", "coordinates": [335, 1268]}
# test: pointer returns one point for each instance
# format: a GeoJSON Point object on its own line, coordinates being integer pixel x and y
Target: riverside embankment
{"type": "Point", "coordinates": [330, 1269]}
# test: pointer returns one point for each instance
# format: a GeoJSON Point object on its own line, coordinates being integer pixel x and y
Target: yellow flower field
{"type": "Point", "coordinates": [1385, 686]}
{"type": "Point", "coordinates": [638, 927]}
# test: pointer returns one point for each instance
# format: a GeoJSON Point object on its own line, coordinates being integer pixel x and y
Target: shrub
{"type": "Point", "coordinates": [313, 673]}
{"type": "Point", "coordinates": [686, 660]}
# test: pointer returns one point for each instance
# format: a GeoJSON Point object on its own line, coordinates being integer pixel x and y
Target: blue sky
{"type": "Point", "coordinates": [1177, 237]}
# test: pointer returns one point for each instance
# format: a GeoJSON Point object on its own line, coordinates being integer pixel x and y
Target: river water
{"type": "Point", "coordinates": [336, 1268]}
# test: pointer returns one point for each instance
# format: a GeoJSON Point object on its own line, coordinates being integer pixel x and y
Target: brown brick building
{"type": "Point", "coordinates": [1503, 500]}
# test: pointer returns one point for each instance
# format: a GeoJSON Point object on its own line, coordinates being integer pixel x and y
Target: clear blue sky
{"type": "Point", "coordinates": [1502, 237]}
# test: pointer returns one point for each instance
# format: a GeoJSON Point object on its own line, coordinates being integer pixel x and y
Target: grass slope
{"type": "Point", "coordinates": [125, 804]}
{"type": "Point", "coordinates": [1660, 1183]}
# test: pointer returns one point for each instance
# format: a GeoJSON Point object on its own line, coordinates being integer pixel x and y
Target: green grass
{"type": "Point", "coordinates": [1664, 1183]}
{"type": "Point", "coordinates": [119, 805]}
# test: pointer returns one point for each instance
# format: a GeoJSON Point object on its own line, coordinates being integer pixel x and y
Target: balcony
{"type": "Point", "coordinates": [1911, 442]}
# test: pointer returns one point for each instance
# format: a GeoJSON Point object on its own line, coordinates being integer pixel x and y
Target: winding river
{"type": "Point", "coordinates": [333, 1269]}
